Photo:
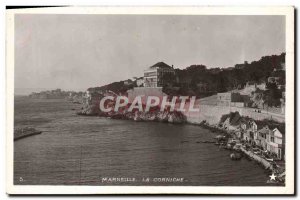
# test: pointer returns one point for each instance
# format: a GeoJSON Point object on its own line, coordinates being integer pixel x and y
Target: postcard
{"type": "Point", "coordinates": [150, 100]}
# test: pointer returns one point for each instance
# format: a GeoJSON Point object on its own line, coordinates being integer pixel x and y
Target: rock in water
{"type": "Point", "coordinates": [25, 132]}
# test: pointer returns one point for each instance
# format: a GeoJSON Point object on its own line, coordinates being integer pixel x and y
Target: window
{"type": "Point", "coordinates": [150, 73]}
{"type": "Point", "coordinates": [272, 139]}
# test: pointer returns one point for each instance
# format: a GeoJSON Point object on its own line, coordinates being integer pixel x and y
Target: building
{"type": "Point", "coordinates": [275, 143]}
{"type": "Point", "coordinates": [140, 82]}
{"type": "Point", "coordinates": [231, 122]}
{"type": "Point", "coordinates": [262, 136]}
{"type": "Point", "coordinates": [250, 131]}
{"type": "Point", "coordinates": [268, 139]}
{"type": "Point", "coordinates": [153, 76]}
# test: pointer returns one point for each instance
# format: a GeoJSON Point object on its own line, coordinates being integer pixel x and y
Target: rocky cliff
{"type": "Point", "coordinates": [91, 108]}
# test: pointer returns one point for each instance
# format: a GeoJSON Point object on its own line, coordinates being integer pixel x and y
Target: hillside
{"type": "Point", "coordinates": [202, 81]}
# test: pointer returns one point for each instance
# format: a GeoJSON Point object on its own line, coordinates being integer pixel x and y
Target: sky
{"type": "Point", "coordinates": [75, 52]}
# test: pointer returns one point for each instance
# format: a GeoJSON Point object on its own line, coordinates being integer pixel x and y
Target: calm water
{"type": "Point", "coordinates": [77, 150]}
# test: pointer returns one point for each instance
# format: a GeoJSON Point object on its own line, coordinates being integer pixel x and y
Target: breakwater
{"type": "Point", "coordinates": [260, 160]}
{"type": "Point", "coordinates": [25, 132]}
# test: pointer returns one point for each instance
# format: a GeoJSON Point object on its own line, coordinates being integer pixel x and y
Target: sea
{"type": "Point", "coordinates": [89, 150]}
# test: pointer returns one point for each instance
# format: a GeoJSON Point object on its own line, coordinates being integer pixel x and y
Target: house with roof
{"type": "Point", "coordinates": [249, 131]}
{"type": "Point", "coordinates": [275, 143]}
{"type": "Point", "coordinates": [265, 135]}
{"type": "Point", "coordinates": [249, 128]}
{"type": "Point", "coordinates": [231, 121]}
{"type": "Point", "coordinates": [153, 76]}
{"type": "Point", "coordinates": [262, 135]}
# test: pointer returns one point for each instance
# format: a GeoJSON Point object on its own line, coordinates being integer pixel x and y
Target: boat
{"type": "Point", "coordinates": [220, 137]}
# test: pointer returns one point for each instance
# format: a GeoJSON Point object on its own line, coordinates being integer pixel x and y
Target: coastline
{"type": "Point", "coordinates": [174, 118]}
{"type": "Point", "coordinates": [213, 128]}
{"type": "Point", "coordinates": [248, 154]}
{"type": "Point", "coordinates": [183, 141]}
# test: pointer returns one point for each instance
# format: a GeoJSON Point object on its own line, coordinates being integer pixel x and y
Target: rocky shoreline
{"type": "Point", "coordinates": [155, 116]}
{"type": "Point", "coordinates": [238, 149]}
{"type": "Point", "coordinates": [91, 108]}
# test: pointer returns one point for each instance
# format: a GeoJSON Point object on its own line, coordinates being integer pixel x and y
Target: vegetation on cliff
{"type": "Point", "coordinates": [202, 81]}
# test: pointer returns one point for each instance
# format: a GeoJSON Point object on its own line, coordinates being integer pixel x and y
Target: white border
{"type": "Point", "coordinates": [275, 10]}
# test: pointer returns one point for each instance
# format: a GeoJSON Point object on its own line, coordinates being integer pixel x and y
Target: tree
{"type": "Point", "coordinates": [272, 95]}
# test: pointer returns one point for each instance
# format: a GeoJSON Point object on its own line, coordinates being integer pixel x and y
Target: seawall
{"type": "Point", "coordinates": [258, 159]}
{"type": "Point", "coordinates": [213, 113]}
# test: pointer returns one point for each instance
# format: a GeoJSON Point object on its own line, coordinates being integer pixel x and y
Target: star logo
{"type": "Point", "coordinates": [272, 177]}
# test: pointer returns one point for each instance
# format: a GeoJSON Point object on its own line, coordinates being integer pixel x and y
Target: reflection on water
{"type": "Point", "coordinates": [82, 150]}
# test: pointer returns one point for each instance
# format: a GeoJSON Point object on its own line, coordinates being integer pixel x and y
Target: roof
{"type": "Point", "coordinates": [260, 124]}
{"type": "Point", "coordinates": [271, 124]}
{"type": "Point", "coordinates": [280, 127]}
{"type": "Point", "coordinates": [264, 130]}
{"type": "Point", "coordinates": [160, 65]}
{"type": "Point", "coordinates": [235, 119]}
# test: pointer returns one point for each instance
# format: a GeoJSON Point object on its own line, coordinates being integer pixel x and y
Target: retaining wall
{"type": "Point", "coordinates": [212, 114]}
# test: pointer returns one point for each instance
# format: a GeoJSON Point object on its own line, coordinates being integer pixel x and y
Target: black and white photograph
{"type": "Point", "coordinates": [139, 97]}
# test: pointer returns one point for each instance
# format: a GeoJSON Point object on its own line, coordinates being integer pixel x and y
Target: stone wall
{"type": "Point", "coordinates": [212, 114]}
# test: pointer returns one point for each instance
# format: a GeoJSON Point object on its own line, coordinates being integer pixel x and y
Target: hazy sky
{"type": "Point", "coordinates": [81, 51]}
